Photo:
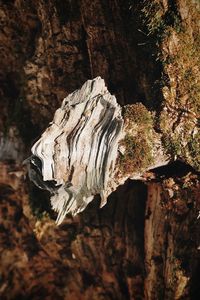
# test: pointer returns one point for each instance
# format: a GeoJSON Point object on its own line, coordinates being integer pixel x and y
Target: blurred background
{"type": "Point", "coordinates": [144, 244]}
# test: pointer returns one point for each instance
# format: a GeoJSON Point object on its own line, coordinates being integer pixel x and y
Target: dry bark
{"type": "Point", "coordinates": [144, 244]}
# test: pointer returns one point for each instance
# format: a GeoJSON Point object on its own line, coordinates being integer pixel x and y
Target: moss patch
{"type": "Point", "coordinates": [194, 151]}
{"type": "Point", "coordinates": [175, 28]}
{"type": "Point", "coordinates": [138, 155]}
{"type": "Point", "coordinates": [157, 17]}
{"type": "Point", "coordinates": [137, 113]}
{"type": "Point", "coordinates": [138, 142]}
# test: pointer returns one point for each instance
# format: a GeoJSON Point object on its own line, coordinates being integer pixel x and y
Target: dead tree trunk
{"type": "Point", "coordinates": [144, 244]}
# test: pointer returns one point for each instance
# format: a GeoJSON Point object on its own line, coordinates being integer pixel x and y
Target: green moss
{"type": "Point", "coordinates": [180, 58]}
{"type": "Point", "coordinates": [183, 59]}
{"type": "Point", "coordinates": [185, 67]}
{"type": "Point", "coordinates": [158, 20]}
{"type": "Point", "coordinates": [153, 17]}
{"type": "Point", "coordinates": [138, 155]}
{"type": "Point", "coordinates": [172, 145]}
{"type": "Point", "coordinates": [137, 113]}
{"type": "Point", "coordinates": [194, 151]}
{"type": "Point", "coordinates": [138, 143]}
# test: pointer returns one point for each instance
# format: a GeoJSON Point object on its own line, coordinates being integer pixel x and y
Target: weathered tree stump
{"type": "Point", "coordinates": [144, 243]}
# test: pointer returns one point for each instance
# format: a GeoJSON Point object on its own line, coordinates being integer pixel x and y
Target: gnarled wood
{"type": "Point", "coordinates": [78, 152]}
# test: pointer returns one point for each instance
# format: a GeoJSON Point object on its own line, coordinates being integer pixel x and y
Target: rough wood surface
{"type": "Point", "coordinates": [78, 151]}
{"type": "Point", "coordinates": [78, 155]}
{"type": "Point", "coordinates": [144, 244]}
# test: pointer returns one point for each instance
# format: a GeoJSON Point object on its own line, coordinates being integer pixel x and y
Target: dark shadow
{"type": "Point", "coordinates": [176, 168]}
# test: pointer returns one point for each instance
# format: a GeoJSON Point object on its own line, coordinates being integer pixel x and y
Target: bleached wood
{"type": "Point", "coordinates": [79, 149]}
{"type": "Point", "coordinates": [77, 156]}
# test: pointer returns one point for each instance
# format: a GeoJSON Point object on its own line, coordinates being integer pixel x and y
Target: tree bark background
{"type": "Point", "coordinates": [144, 244]}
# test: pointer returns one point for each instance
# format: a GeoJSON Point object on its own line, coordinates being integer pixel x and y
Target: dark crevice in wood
{"type": "Point", "coordinates": [173, 169]}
